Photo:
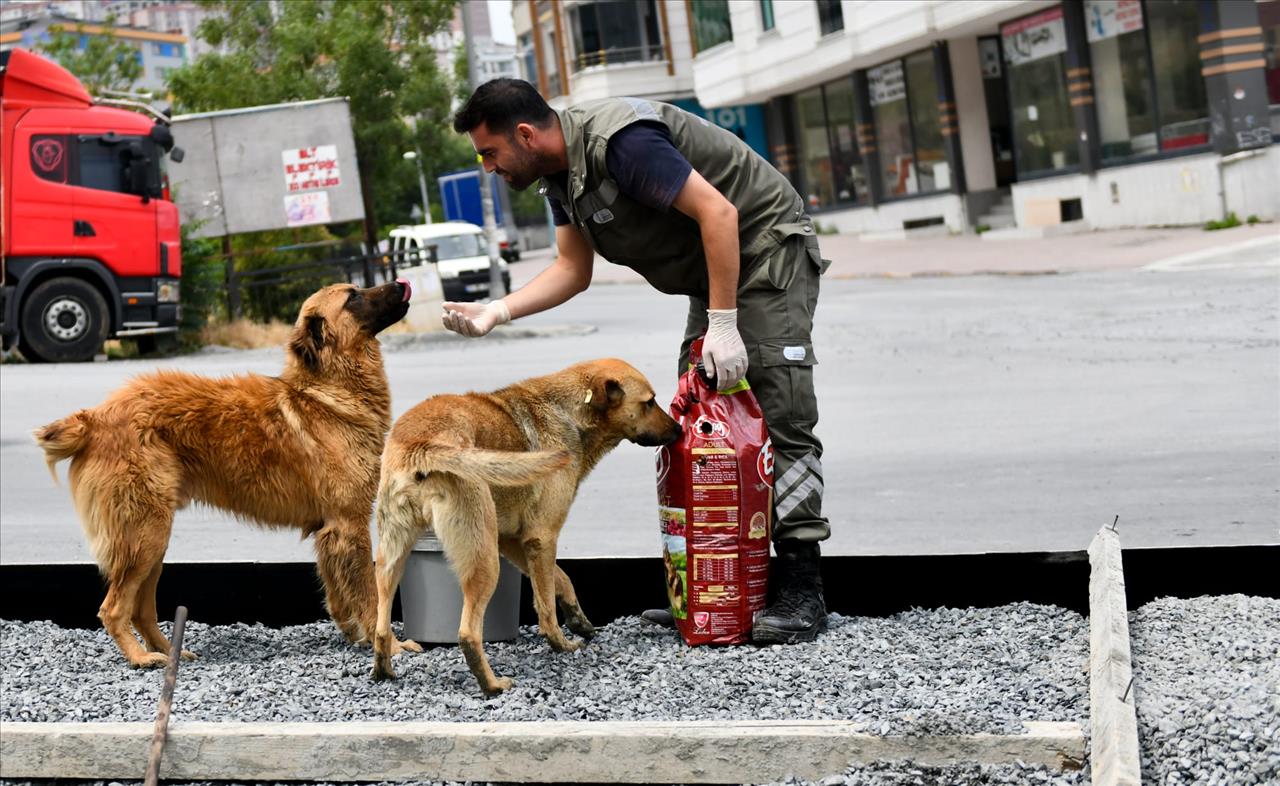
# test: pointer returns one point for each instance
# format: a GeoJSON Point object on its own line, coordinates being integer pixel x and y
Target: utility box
{"type": "Point", "coordinates": [431, 598]}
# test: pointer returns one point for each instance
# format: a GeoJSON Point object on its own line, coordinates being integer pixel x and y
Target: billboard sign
{"type": "Point", "coordinates": [267, 167]}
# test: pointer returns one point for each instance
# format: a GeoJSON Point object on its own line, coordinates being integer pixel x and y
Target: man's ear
{"type": "Point", "coordinates": [526, 133]}
{"type": "Point", "coordinates": [605, 394]}
{"type": "Point", "coordinates": [308, 341]}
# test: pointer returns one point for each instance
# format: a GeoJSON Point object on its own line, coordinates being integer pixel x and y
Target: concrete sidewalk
{"type": "Point", "coordinates": [959, 255]}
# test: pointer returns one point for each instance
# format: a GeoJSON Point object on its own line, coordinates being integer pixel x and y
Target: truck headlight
{"type": "Point", "coordinates": [167, 292]}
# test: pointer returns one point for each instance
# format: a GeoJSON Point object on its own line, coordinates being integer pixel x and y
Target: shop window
{"type": "Point", "coordinates": [1044, 131]}
{"type": "Point", "coordinates": [614, 31]}
{"type": "Point", "coordinates": [847, 171]}
{"type": "Point", "coordinates": [1121, 78]}
{"type": "Point", "coordinates": [932, 170]}
{"type": "Point", "coordinates": [711, 25]}
{"type": "Point", "coordinates": [815, 149]}
{"type": "Point", "coordinates": [830, 16]}
{"type": "Point", "coordinates": [1269, 18]}
{"type": "Point", "coordinates": [766, 15]}
{"type": "Point", "coordinates": [904, 104]}
{"type": "Point", "coordinates": [893, 129]}
{"type": "Point", "coordinates": [1180, 92]}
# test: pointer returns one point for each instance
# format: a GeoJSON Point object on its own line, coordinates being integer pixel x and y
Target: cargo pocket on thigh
{"type": "Point", "coordinates": [786, 393]}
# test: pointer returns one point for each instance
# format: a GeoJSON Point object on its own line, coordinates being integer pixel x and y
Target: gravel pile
{"type": "Point", "coordinates": [1207, 681]}
{"type": "Point", "coordinates": [936, 671]}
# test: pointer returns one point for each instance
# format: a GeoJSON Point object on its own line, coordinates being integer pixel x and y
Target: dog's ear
{"type": "Point", "coordinates": [308, 340]}
{"type": "Point", "coordinates": [605, 394]}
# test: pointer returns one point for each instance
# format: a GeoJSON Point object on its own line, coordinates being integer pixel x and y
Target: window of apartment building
{"type": "Point", "coordinates": [614, 31]}
{"type": "Point", "coordinates": [1269, 18]}
{"type": "Point", "coordinates": [904, 106]}
{"type": "Point", "coordinates": [528, 58]}
{"type": "Point", "coordinates": [166, 50]}
{"type": "Point", "coordinates": [766, 15]}
{"type": "Point", "coordinates": [1122, 86]}
{"type": "Point", "coordinates": [1044, 131]}
{"type": "Point", "coordinates": [1183, 107]}
{"type": "Point", "coordinates": [711, 25]}
{"type": "Point", "coordinates": [830, 16]}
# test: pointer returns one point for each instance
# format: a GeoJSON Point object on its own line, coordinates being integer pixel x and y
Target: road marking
{"type": "Point", "coordinates": [1192, 260]}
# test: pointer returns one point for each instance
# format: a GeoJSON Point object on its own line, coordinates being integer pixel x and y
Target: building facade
{"type": "Point", "coordinates": [158, 52]}
{"type": "Point", "coordinates": [578, 50]}
{"type": "Point", "coordinates": [891, 116]}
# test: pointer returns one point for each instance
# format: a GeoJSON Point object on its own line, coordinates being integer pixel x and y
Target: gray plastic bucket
{"type": "Point", "coordinates": [431, 598]}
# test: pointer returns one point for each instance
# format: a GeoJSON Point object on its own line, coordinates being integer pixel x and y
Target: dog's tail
{"type": "Point", "coordinates": [63, 439]}
{"type": "Point", "coordinates": [495, 467]}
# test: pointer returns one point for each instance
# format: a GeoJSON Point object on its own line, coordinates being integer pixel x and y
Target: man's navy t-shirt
{"type": "Point", "coordinates": [645, 164]}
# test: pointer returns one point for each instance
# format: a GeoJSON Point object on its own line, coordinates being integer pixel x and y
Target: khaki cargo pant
{"type": "Point", "coordinates": [776, 303]}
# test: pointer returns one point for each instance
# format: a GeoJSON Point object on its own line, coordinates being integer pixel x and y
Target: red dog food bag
{"type": "Point", "coordinates": [715, 490]}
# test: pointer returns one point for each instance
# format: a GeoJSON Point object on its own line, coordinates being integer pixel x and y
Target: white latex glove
{"type": "Point", "coordinates": [723, 353]}
{"type": "Point", "coordinates": [475, 319]}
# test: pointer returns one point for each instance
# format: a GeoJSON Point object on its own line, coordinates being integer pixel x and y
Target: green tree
{"type": "Point", "coordinates": [105, 63]}
{"type": "Point", "coordinates": [379, 55]}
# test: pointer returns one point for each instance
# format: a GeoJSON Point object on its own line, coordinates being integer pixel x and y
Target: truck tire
{"type": "Point", "coordinates": [64, 320]}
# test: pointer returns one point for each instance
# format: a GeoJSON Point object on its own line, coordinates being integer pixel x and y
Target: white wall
{"type": "Point", "coordinates": [1252, 185]}
{"type": "Point", "coordinates": [890, 216]}
{"type": "Point", "coordinates": [1180, 191]}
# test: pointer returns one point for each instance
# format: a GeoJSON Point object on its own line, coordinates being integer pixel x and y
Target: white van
{"type": "Point", "coordinates": [462, 256]}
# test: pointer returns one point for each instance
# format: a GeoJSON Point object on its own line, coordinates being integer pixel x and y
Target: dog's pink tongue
{"type": "Point", "coordinates": [408, 290]}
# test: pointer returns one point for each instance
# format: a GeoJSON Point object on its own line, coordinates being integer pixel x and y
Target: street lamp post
{"type": "Point", "coordinates": [416, 157]}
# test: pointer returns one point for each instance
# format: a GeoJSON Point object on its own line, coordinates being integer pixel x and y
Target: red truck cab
{"type": "Point", "coordinates": [89, 241]}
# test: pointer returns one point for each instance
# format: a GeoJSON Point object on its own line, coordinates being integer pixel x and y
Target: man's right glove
{"type": "Point", "coordinates": [723, 354]}
{"type": "Point", "coordinates": [475, 319]}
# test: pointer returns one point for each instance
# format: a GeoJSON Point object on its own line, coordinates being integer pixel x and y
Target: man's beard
{"type": "Point", "coordinates": [529, 168]}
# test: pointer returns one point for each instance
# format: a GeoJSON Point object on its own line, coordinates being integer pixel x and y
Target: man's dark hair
{"type": "Point", "coordinates": [502, 104]}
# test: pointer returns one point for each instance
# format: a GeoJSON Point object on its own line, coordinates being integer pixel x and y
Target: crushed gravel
{"type": "Point", "coordinates": [1207, 685]}
{"type": "Point", "coordinates": [935, 671]}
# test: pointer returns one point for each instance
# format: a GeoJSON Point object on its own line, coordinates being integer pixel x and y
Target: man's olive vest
{"type": "Point", "coordinates": [666, 247]}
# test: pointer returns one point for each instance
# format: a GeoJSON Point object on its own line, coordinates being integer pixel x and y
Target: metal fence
{"type": "Point", "coordinates": [277, 292]}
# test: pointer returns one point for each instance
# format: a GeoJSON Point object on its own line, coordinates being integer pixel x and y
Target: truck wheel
{"type": "Point", "coordinates": [64, 320]}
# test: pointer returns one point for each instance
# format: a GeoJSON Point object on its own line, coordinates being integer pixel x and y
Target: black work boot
{"type": "Point", "coordinates": [798, 611]}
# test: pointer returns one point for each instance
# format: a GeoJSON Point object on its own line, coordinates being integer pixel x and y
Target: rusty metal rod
{"type": "Point", "coordinates": [166, 699]}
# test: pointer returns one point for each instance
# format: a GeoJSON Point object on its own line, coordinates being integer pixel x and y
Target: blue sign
{"type": "Point", "coordinates": [747, 121]}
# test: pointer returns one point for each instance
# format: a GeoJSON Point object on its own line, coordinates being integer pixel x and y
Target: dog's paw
{"type": "Point", "coordinates": [581, 626]}
{"type": "Point", "coordinates": [408, 645]}
{"type": "Point", "coordinates": [152, 660]}
{"type": "Point", "coordinates": [499, 685]}
{"type": "Point", "coordinates": [567, 645]}
{"type": "Point", "coordinates": [382, 671]}
{"type": "Point", "coordinates": [189, 655]}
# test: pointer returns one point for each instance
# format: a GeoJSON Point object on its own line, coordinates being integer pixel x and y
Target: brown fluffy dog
{"type": "Point", "coordinates": [300, 450]}
{"type": "Point", "coordinates": [496, 473]}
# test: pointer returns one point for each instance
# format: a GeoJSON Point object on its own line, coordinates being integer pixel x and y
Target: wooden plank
{"type": "Point", "coordinates": [564, 752]}
{"type": "Point", "coordinates": [1112, 712]}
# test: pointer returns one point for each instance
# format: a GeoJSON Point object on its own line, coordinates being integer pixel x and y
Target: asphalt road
{"type": "Point", "coordinates": [960, 414]}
